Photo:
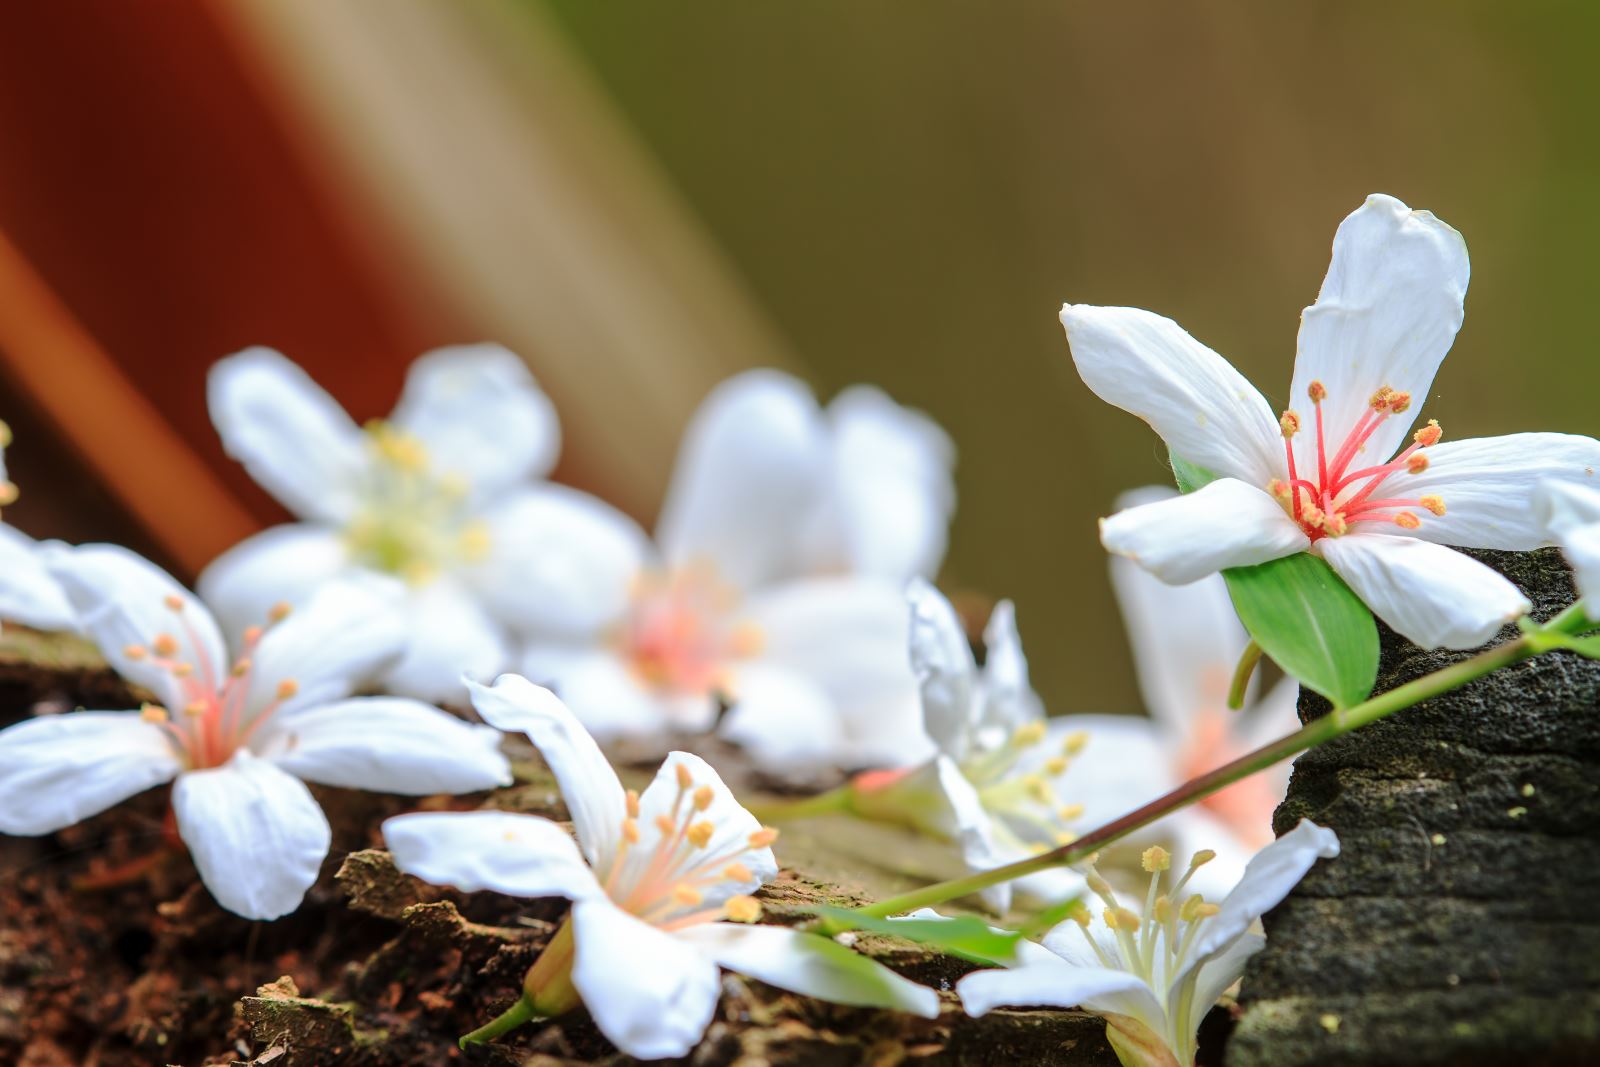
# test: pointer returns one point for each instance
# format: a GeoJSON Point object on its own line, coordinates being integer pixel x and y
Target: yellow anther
{"type": "Point", "coordinates": [1399, 402]}
{"type": "Point", "coordinates": [288, 688]}
{"type": "Point", "coordinates": [1190, 910]}
{"type": "Point", "coordinates": [1074, 743]}
{"type": "Point", "coordinates": [763, 837]}
{"type": "Point", "coordinates": [685, 778]}
{"type": "Point", "coordinates": [742, 909]}
{"type": "Point", "coordinates": [1028, 734]}
{"type": "Point", "coordinates": [1055, 766]}
{"type": "Point", "coordinates": [630, 831]}
{"type": "Point", "coordinates": [1429, 434]}
{"type": "Point", "coordinates": [1417, 463]}
{"type": "Point", "coordinates": [279, 612]}
{"type": "Point", "coordinates": [1078, 912]}
{"type": "Point", "coordinates": [1036, 848]}
{"type": "Point", "coordinates": [154, 713]}
{"type": "Point", "coordinates": [687, 895]}
{"type": "Point", "coordinates": [1065, 837]}
{"type": "Point", "coordinates": [252, 634]}
{"type": "Point", "coordinates": [242, 668]}
{"type": "Point", "coordinates": [8, 492]}
{"type": "Point", "coordinates": [699, 834]}
{"type": "Point", "coordinates": [1038, 788]}
{"type": "Point", "coordinates": [1203, 857]}
{"type": "Point", "coordinates": [182, 670]}
{"type": "Point", "coordinates": [665, 824]}
{"type": "Point", "coordinates": [1162, 911]}
{"type": "Point", "coordinates": [165, 645]}
{"type": "Point", "coordinates": [1155, 859]}
{"type": "Point", "coordinates": [1433, 503]}
{"type": "Point", "coordinates": [1407, 521]}
{"type": "Point", "coordinates": [135, 652]}
{"type": "Point", "coordinates": [195, 709]}
{"type": "Point", "coordinates": [1126, 919]}
{"type": "Point", "coordinates": [1068, 812]}
{"type": "Point", "coordinates": [1289, 424]}
{"type": "Point", "coordinates": [737, 872]}
{"type": "Point", "coordinates": [173, 601]}
{"type": "Point", "coordinates": [1206, 911]}
{"type": "Point", "coordinates": [1317, 391]}
{"type": "Point", "coordinates": [1098, 886]}
{"type": "Point", "coordinates": [5, 435]}
{"type": "Point", "coordinates": [632, 800]}
{"type": "Point", "coordinates": [1110, 917]}
{"type": "Point", "coordinates": [703, 797]}
{"type": "Point", "coordinates": [475, 542]}
{"type": "Point", "coordinates": [1380, 399]}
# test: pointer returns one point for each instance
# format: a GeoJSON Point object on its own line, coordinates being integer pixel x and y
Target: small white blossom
{"type": "Point", "coordinates": [650, 877]}
{"type": "Point", "coordinates": [237, 736]}
{"type": "Point", "coordinates": [1154, 972]}
{"type": "Point", "coordinates": [1330, 474]}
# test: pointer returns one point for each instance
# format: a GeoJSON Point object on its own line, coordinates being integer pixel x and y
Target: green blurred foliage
{"type": "Point", "coordinates": [913, 188]}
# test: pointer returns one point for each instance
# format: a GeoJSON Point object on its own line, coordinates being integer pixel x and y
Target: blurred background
{"type": "Point", "coordinates": [641, 199]}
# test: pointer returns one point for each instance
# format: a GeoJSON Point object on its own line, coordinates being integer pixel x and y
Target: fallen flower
{"type": "Point", "coordinates": [237, 738]}
{"type": "Point", "coordinates": [649, 876]}
{"type": "Point", "coordinates": [1571, 514]}
{"type": "Point", "coordinates": [1154, 975]}
{"type": "Point", "coordinates": [28, 595]}
{"type": "Point", "coordinates": [1328, 478]}
{"type": "Point", "coordinates": [429, 496]}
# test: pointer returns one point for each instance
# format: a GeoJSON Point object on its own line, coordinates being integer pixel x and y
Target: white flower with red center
{"type": "Point", "coordinates": [28, 595]}
{"type": "Point", "coordinates": [1571, 512]}
{"type": "Point", "coordinates": [1329, 475]}
{"type": "Point", "coordinates": [431, 496]}
{"type": "Point", "coordinates": [650, 876]}
{"type": "Point", "coordinates": [1154, 973]}
{"type": "Point", "coordinates": [236, 735]}
{"type": "Point", "coordinates": [774, 584]}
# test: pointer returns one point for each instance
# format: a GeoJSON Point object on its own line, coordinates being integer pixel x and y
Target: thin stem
{"type": "Point", "coordinates": [834, 800]}
{"type": "Point", "coordinates": [520, 1012]}
{"type": "Point", "coordinates": [1317, 732]}
{"type": "Point", "coordinates": [1241, 674]}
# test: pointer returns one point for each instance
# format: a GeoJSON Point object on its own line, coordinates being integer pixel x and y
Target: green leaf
{"type": "Point", "coordinates": [1303, 615]}
{"type": "Point", "coordinates": [964, 936]}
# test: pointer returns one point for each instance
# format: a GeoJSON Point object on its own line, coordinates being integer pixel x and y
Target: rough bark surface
{"type": "Point", "coordinates": [1459, 924]}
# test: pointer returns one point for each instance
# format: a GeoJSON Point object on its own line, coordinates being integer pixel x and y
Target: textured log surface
{"type": "Point", "coordinates": [1459, 926]}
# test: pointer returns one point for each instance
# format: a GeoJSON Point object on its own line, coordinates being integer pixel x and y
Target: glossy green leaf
{"type": "Point", "coordinates": [964, 936]}
{"type": "Point", "coordinates": [1303, 615]}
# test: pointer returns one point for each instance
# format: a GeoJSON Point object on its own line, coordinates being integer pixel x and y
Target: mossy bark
{"type": "Point", "coordinates": [1458, 925]}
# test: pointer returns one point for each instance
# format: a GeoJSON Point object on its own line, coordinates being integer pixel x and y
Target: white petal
{"type": "Point", "coordinates": [562, 564]}
{"type": "Point", "coordinates": [1008, 697]}
{"type": "Point", "coordinates": [518, 855]}
{"type": "Point", "coordinates": [1488, 485]}
{"type": "Point", "coordinates": [850, 636]}
{"type": "Point", "coordinates": [28, 594]}
{"type": "Point", "coordinates": [783, 719]}
{"type": "Point", "coordinates": [1224, 524]}
{"type": "Point", "coordinates": [1055, 985]}
{"type": "Point", "coordinates": [1572, 515]}
{"type": "Point", "coordinates": [256, 835]}
{"type": "Point", "coordinates": [889, 511]}
{"type": "Point", "coordinates": [451, 635]}
{"type": "Point", "coordinates": [1268, 878]}
{"type": "Point", "coordinates": [607, 697]}
{"type": "Point", "coordinates": [57, 770]}
{"type": "Point", "coordinates": [481, 416]}
{"type": "Point", "coordinates": [750, 473]}
{"type": "Point", "coordinates": [1186, 639]}
{"type": "Point", "coordinates": [810, 965]}
{"type": "Point", "coordinates": [1387, 313]}
{"type": "Point", "coordinates": [385, 745]}
{"type": "Point", "coordinates": [121, 599]}
{"type": "Point", "coordinates": [946, 673]}
{"type": "Point", "coordinates": [341, 638]}
{"type": "Point", "coordinates": [1220, 972]}
{"type": "Point", "coordinates": [1433, 596]}
{"type": "Point", "coordinates": [593, 795]}
{"type": "Point", "coordinates": [1204, 409]}
{"type": "Point", "coordinates": [648, 992]}
{"type": "Point", "coordinates": [281, 565]}
{"type": "Point", "coordinates": [290, 435]}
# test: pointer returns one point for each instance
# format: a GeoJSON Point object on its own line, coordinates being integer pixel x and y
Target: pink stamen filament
{"type": "Point", "coordinates": [220, 728]}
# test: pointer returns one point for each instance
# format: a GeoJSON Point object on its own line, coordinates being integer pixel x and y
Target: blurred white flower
{"type": "Point", "coordinates": [1322, 478]}
{"type": "Point", "coordinates": [775, 580]}
{"type": "Point", "coordinates": [649, 878]}
{"type": "Point", "coordinates": [1571, 514]}
{"type": "Point", "coordinates": [430, 496]}
{"type": "Point", "coordinates": [28, 595]}
{"type": "Point", "coordinates": [238, 736]}
{"type": "Point", "coordinates": [1154, 976]}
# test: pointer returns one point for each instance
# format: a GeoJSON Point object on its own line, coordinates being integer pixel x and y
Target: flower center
{"type": "Point", "coordinates": [216, 718]}
{"type": "Point", "coordinates": [1326, 501]}
{"type": "Point", "coordinates": [411, 521]}
{"type": "Point", "coordinates": [1025, 803]}
{"type": "Point", "coordinates": [667, 883]}
{"type": "Point", "coordinates": [681, 631]}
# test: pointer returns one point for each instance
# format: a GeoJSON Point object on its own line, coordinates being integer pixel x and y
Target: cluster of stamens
{"type": "Point", "coordinates": [681, 633]}
{"type": "Point", "coordinates": [214, 720]}
{"type": "Point", "coordinates": [412, 522]}
{"type": "Point", "coordinates": [1028, 803]}
{"type": "Point", "coordinates": [668, 885]}
{"type": "Point", "coordinates": [1340, 496]}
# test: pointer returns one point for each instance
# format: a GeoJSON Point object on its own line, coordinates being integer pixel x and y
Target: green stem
{"type": "Point", "coordinates": [1574, 620]}
{"type": "Point", "coordinates": [520, 1012]}
{"type": "Point", "coordinates": [1241, 674]}
{"type": "Point", "coordinates": [1317, 732]}
{"type": "Point", "coordinates": [831, 802]}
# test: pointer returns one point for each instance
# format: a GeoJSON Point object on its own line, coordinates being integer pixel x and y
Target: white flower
{"type": "Point", "coordinates": [1321, 478]}
{"type": "Point", "coordinates": [775, 581]}
{"type": "Point", "coordinates": [431, 496]}
{"type": "Point", "coordinates": [28, 595]}
{"type": "Point", "coordinates": [238, 736]}
{"type": "Point", "coordinates": [1154, 978]}
{"type": "Point", "coordinates": [1571, 514]}
{"type": "Point", "coordinates": [649, 876]}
